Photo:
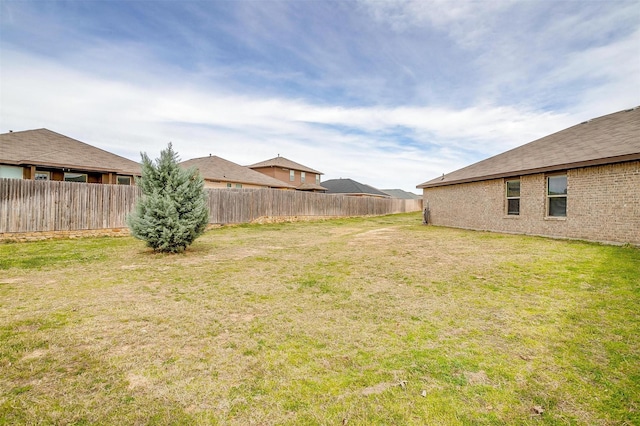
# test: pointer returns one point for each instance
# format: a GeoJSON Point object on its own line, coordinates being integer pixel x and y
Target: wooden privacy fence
{"type": "Point", "coordinates": [247, 205]}
{"type": "Point", "coordinates": [35, 206]}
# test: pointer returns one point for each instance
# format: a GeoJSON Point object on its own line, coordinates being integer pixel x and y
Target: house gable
{"type": "Point", "coordinates": [220, 173]}
{"type": "Point", "coordinates": [302, 177]}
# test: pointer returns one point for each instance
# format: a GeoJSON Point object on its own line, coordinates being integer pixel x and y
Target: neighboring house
{"type": "Point", "coordinates": [285, 170]}
{"type": "Point", "coordinates": [401, 194]}
{"type": "Point", "coordinates": [45, 155]}
{"type": "Point", "coordinates": [353, 188]}
{"type": "Point", "coordinates": [582, 182]}
{"type": "Point", "coordinates": [220, 173]}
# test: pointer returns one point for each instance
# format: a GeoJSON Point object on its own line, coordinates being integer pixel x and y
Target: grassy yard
{"type": "Point", "coordinates": [359, 322]}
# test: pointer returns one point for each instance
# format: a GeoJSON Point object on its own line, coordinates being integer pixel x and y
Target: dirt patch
{"type": "Point", "coordinates": [377, 389]}
{"type": "Point", "coordinates": [12, 280]}
{"type": "Point", "coordinates": [137, 381]}
{"type": "Point", "coordinates": [477, 378]}
{"type": "Point", "coordinates": [38, 353]}
{"type": "Point", "coordinates": [131, 267]}
{"type": "Point", "coordinates": [285, 219]}
{"type": "Point", "coordinates": [375, 234]}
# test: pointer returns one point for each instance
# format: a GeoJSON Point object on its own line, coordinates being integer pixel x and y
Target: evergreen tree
{"type": "Point", "coordinates": [172, 212]}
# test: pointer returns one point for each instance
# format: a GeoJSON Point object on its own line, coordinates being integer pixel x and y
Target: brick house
{"type": "Point", "coordinates": [45, 155]}
{"type": "Point", "coordinates": [303, 178]}
{"type": "Point", "coordinates": [582, 183]}
{"type": "Point", "coordinates": [220, 173]}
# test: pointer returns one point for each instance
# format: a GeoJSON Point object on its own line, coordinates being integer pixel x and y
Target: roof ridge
{"type": "Point", "coordinates": [614, 136]}
{"type": "Point", "coordinates": [287, 163]}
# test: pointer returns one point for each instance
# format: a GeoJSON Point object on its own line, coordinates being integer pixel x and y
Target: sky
{"type": "Point", "coordinates": [389, 93]}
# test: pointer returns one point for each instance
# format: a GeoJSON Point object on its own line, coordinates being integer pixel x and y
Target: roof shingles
{"type": "Point", "coordinates": [45, 148]}
{"type": "Point", "coordinates": [603, 140]}
{"type": "Point", "coordinates": [215, 168]}
{"type": "Point", "coordinates": [350, 186]}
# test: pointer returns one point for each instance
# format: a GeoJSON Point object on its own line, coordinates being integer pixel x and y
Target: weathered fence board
{"type": "Point", "coordinates": [34, 206]}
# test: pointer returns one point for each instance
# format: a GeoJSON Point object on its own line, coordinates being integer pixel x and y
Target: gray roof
{"type": "Point", "coordinates": [218, 169]}
{"type": "Point", "coordinates": [604, 140]}
{"type": "Point", "coordinates": [351, 187]}
{"type": "Point", "coordinates": [401, 194]}
{"type": "Point", "coordinates": [45, 148]}
{"type": "Point", "coordinates": [284, 163]}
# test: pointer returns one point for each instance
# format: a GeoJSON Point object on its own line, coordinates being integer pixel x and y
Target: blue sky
{"type": "Point", "coordinates": [389, 93]}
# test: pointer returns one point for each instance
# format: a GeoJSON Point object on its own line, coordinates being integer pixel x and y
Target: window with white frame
{"type": "Point", "coordinates": [513, 197]}
{"type": "Point", "coordinates": [557, 196]}
{"type": "Point", "coordinates": [42, 175]}
{"type": "Point", "coordinates": [292, 175]}
{"type": "Point", "coordinates": [238, 185]}
{"type": "Point", "coordinates": [317, 179]}
{"type": "Point", "coordinates": [303, 176]}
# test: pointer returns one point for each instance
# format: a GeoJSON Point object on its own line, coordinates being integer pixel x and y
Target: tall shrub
{"type": "Point", "coordinates": [172, 212]}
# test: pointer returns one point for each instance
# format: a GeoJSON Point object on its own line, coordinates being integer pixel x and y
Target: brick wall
{"type": "Point", "coordinates": [603, 204]}
{"type": "Point", "coordinates": [282, 174]}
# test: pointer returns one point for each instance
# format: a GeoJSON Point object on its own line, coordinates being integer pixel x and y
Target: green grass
{"type": "Point", "coordinates": [374, 321]}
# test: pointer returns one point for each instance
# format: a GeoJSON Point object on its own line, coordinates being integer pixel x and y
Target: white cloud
{"type": "Point", "coordinates": [127, 119]}
{"type": "Point", "coordinates": [610, 74]}
{"type": "Point", "coordinates": [121, 96]}
{"type": "Point", "coordinates": [466, 22]}
{"type": "Point", "coordinates": [547, 55]}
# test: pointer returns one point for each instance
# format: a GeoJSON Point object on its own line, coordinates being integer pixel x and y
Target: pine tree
{"type": "Point", "coordinates": [172, 212]}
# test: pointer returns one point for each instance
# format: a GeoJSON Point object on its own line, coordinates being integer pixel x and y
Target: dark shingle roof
{"type": "Point", "coordinates": [351, 187]}
{"type": "Point", "coordinates": [401, 194]}
{"type": "Point", "coordinates": [219, 169]}
{"type": "Point", "coordinates": [608, 139]}
{"type": "Point", "coordinates": [284, 163]}
{"type": "Point", "coordinates": [45, 148]}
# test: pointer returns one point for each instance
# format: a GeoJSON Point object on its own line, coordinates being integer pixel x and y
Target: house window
{"type": "Point", "coordinates": [228, 185]}
{"type": "Point", "coordinates": [238, 185]}
{"type": "Point", "coordinates": [292, 175]}
{"type": "Point", "coordinates": [75, 177]}
{"type": "Point", "coordinates": [11, 172]}
{"type": "Point", "coordinates": [41, 175]}
{"type": "Point", "coordinates": [317, 179]}
{"type": "Point", "coordinates": [557, 196]}
{"type": "Point", "coordinates": [513, 197]}
{"type": "Point", "coordinates": [302, 176]}
{"type": "Point", "coordinates": [124, 180]}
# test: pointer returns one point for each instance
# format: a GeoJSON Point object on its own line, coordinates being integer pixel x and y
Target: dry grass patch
{"type": "Point", "coordinates": [376, 321]}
